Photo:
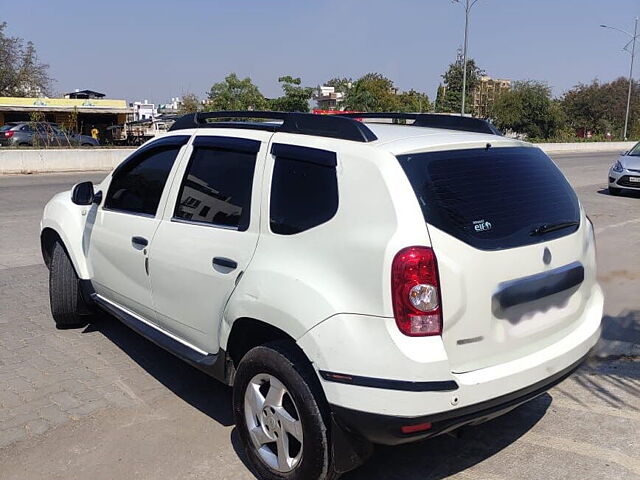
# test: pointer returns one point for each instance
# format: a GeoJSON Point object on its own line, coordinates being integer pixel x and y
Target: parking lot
{"type": "Point", "coordinates": [103, 403]}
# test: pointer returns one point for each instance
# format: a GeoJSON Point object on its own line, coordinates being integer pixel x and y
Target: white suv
{"type": "Point", "coordinates": [357, 283]}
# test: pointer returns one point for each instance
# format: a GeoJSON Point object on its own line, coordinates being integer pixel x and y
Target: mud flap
{"type": "Point", "coordinates": [348, 450]}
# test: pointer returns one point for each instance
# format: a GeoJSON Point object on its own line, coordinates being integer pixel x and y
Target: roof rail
{"type": "Point", "coordinates": [332, 126]}
{"type": "Point", "coordinates": [433, 120]}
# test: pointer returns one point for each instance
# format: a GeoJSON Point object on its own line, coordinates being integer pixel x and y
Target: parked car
{"type": "Point", "coordinates": [625, 173]}
{"type": "Point", "coordinates": [356, 283]}
{"type": "Point", "coordinates": [30, 134]}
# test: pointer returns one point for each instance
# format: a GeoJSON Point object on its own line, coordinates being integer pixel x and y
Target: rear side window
{"type": "Point", "coordinates": [492, 198]}
{"type": "Point", "coordinates": [136, 186]}
{"type": "Point", "coordinates": [216, 189]}
{"type": "Point", "coordinates": [304, 189]}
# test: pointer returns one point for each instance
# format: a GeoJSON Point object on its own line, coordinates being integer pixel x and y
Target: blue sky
{"type": "Point", "coordinates": [156, 49]}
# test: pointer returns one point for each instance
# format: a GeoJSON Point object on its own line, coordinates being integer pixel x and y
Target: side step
{"type": "Point", "coordinates": [212, 364]}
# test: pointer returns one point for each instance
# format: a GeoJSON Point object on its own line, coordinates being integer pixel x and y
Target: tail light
{"type": "Point", "coordinates": [8, 133]}
{"type": "Point", "coordinates": [415, 289]}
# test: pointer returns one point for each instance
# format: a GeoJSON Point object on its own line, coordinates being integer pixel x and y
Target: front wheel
{"type": "Point", "coordinates": [281, 415]}
{"type": "Point", "coordinates": [68, 307]}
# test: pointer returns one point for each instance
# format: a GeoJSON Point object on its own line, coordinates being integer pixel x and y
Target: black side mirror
{"type": "Point", "coordinates": [82, 194]}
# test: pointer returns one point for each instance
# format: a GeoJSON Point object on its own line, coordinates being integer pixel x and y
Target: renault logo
{"type": "Point", "coordinates": [546, 256]}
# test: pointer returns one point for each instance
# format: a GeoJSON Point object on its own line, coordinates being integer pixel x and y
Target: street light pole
{"type": "Point", "coordinates": [467, 8]}
{"type": "Point", "coordinates": [634, 37]}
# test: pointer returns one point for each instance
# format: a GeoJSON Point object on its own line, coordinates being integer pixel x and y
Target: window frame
{"type": "Point", "coordinates": [177, 141]}
{"type": "Point", "coordinates": [221, 143]}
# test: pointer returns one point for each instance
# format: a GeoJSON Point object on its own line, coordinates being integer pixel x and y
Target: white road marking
{"type": "Point", "coordinates": [617, 225]}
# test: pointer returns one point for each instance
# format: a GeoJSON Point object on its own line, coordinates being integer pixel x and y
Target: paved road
{"type": "Point", "coordinates": [103, 403]}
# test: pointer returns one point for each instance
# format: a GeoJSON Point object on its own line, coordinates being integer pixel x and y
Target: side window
{"type": "Point", "coordinates": [304, 189]}
{"type": "Point", "coordinates": [216, 188]}
{"type": "Point", "coordinates": [137, 186]}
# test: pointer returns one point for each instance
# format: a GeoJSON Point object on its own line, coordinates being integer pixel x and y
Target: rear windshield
{"type": "Point", "coordinates": [6, 127]}
{"type": "Point", "coordinates": [493, 198]}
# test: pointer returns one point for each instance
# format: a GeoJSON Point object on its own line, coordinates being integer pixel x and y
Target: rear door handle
{"type": "Point", "coordinates": [139, 242]}
{"type": "Point", "coordinates": [225, 262]}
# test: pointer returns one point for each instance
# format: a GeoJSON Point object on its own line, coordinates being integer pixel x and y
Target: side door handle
{"type": "Point", "coordinates": [225, 262]}
{"type": "Point", "coordinates": [139, 242]}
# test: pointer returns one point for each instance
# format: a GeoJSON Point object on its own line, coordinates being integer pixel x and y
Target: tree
{"type": "Point", "coordinates": [21, 73]}
{"type": "Point", "coordinates": [189, 103]}
{"type": "Point", "coordinates": [413, 101]}
{"type": "Point", "coordinates": [528, 109]}
{"type": "Point", "coordinates": [372, 93]}
{"type": "Point", "coordinates": [295, 98]}
{"type": "Point", "coordinates": [601, 107]}
{"type": "Point", "coordinates": [449, 98]}
{"type": "Point", "coordinates": [341, 85]}
{"type": "Point", "coordinates": [235, 94]}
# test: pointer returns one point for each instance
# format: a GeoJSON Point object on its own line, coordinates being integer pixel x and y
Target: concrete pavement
{"type": "Point", "coordinates": [103, 403]}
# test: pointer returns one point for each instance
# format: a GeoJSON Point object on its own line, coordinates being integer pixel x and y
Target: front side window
{"type": "Point", "coordinates": [216, 188]}
{"type": "Point", "coordinates": [137, 186]}
{"type": "Point", "coordinates": [304, 189]}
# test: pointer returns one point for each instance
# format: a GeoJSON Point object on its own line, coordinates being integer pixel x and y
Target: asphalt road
{"type": "Point", "coordinates": [103, 403]}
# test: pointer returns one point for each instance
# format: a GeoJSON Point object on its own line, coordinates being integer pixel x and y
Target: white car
{"type": "Point", "coordinates": [357, 283]}
{"type": "Point", "coordinates": [625, 173]}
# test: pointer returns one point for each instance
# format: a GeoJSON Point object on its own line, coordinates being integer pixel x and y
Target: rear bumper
{"type": "Point", "coordinates": [386, 429]}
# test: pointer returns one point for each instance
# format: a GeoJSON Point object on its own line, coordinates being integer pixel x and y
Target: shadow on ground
{"type": "Point", "coordinates": [194, 387]}
{"type": "Point", "coordinates": [624, 193]}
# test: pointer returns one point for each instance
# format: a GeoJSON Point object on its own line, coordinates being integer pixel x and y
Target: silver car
{"type": "Point", "coordinates": [41, 134]}
{"type": "Point", "coordinates": [625, 173]}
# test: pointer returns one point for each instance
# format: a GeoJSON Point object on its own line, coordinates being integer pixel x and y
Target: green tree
{"type": "Point", "coordinates": [528, 109]}
{"type": "Point", "coordinates": [189, 103]}
{"type": "Point", "coordinates": [235, 94]}
{"type": "Point", "coordinates": [372, 93]}
{"type": "Point", "coordinates": [413, 101]}
{"type": "Point", "coordinates": [295, 99]}
{"type": "Point", "coordinates": [449, 98]}
{"type": "Point", "coordinates": [21, 73]}
{"type": "Point", "coordinates": [341, 85]}
{"type": "Point", "coordinates": [601, 107]}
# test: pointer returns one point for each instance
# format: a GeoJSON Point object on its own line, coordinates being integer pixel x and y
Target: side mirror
{"type": "Point", "coordinates": [82, 193]}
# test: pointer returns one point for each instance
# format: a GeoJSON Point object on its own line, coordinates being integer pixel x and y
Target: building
{"type": "Point", "coordinates": [328, 99]}
{"type": "Point", "coordinates": [143, 110]}
{"type": "Point", "coordinates": [76, 114]}
{"type": "Point", "coordinates": [485, 94]}
{"type": "Point", "coordinates": [84, 94]}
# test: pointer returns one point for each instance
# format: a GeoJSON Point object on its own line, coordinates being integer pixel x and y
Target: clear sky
{"type": "Point", "coordinates": [157, 49]}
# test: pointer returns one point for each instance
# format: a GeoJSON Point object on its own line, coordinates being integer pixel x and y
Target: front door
{"type": "Point", "coordinates": [208, 235]}
{"type": "Point", "coordinates": [118, 241]}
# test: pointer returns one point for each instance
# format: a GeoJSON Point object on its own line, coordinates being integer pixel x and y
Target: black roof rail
{"type": "Point", "coordinates": [332, 126]}
{"type": "Point", "coordinates": [433, 120]}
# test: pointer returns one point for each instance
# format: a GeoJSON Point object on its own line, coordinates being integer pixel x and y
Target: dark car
{"type": "Point", "coordinates": [36, 134]}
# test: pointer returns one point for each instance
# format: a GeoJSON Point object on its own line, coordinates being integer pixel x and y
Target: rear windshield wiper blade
{"type": "Point", "coordinates": [546, 228]}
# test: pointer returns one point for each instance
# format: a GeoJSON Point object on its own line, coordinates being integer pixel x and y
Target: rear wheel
{"type": "Point", "coordinates": [280, 415]}
{"type": "Point", "coordinates": [615, 191]}
{"type": "Point", "coordinates": [68, 308]}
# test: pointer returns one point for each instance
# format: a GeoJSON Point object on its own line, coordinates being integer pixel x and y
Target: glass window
{"type": "Point", "coordinates": [303, 195]}
{"type": "Point", "coordinates": [635, 151]}
{"type": "Point", "coordinates": [217, 188]}
{"type": "Point", "coordinates": [493, 198]}
{"type": "Point", "coordinates": [137, 186]}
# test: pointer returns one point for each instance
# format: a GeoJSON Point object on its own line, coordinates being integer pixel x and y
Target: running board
{"type": "Point", "coordinates": [212, 364]}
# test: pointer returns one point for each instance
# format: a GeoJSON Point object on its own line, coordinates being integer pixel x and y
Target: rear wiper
{"type": "Point", "coordinates": [546, 228]}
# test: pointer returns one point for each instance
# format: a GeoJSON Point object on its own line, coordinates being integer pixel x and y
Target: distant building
{"type": "Point", "coordinates": [485, 94]}
{"type": "Point", "coordinates": [143, 110]}
{"type": "Point", "coordinates": [170, 108]}
{"type": "Point", "coordinates": [77, 114]}
{"type": "Point", "coordinates": [84, 94]}
{"type": "Point", "coordinates": [328, 99]}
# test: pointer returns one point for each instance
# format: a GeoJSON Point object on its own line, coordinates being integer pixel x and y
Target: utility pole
{"type": "Point", "coordinates": [468, 4]}
{"type": "Point", "coordinates": [632, 42]}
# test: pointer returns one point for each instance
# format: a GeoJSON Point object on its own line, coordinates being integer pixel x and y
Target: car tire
{"type": "Point", "coordinates": [87, 145]}
{"type": "Point", "coordinates": [615, 191]}
{"type": "Point", "coordinates": [23, 144]}
{"type": "Point", "coordinates": [281, 368]}
{"type": "Point", "coordinates": [68, 307]}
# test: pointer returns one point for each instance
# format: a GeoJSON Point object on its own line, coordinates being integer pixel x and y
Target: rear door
{"type": "Point", "coordinates": [515, 254]}
{"type": "Point", "coordinates": [208, 234]}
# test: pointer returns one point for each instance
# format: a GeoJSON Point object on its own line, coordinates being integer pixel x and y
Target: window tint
{"type": "Point", "coordinates": [303, 195]}
{"type": "Point", "coordinates": [492, 198]}
{"type": "Point", "coordinates": [217, 188]}
{"type": "Point", "coordinates": [137, 186]}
